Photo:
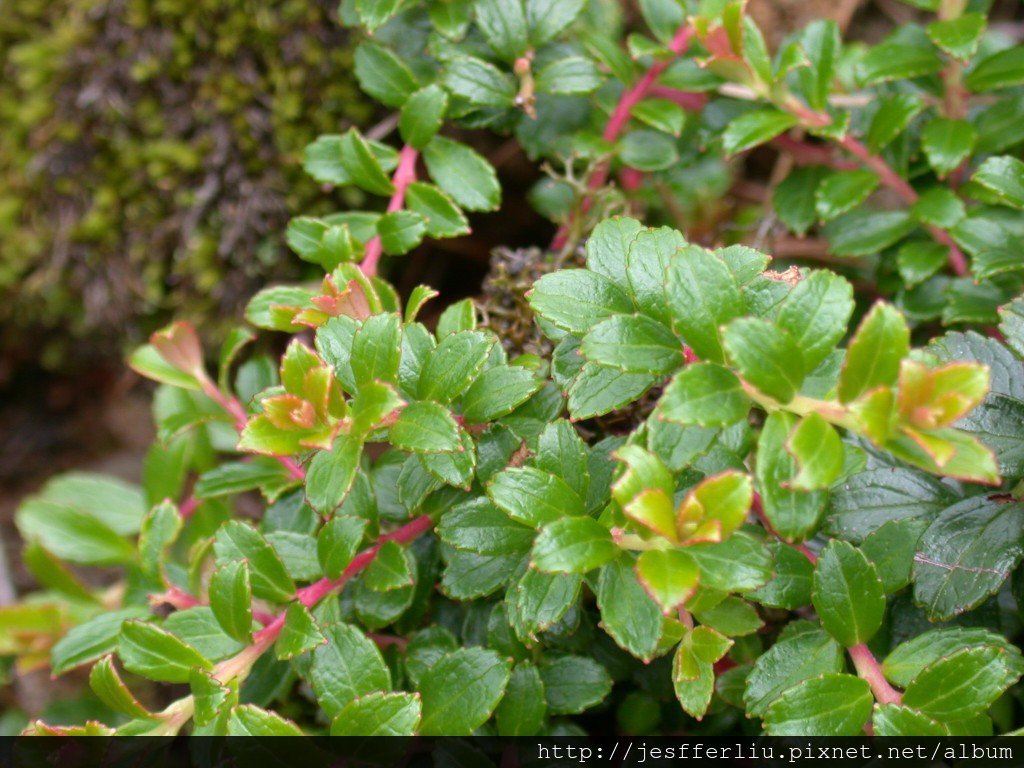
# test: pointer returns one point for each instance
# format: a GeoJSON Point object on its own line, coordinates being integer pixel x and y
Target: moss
{"type": "Point", "coordinates": [150, 157]}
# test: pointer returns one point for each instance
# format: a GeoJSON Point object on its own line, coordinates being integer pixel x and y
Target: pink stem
{"type": "Point", "coordinates": [618, 121]}
{"type": "Point", "coordinates": [188, 507]}
{"type": "Point", "coordinates": [692, 102]}
{"type": "Point", "coordinates": [405, 174]}
{"type": "Point", "coordinates": [868, 668]}
{"type": "Point", "coordinates": [898, 184]}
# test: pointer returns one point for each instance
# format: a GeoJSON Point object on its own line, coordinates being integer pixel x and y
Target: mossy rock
{"type": "Point", "coordinates": [150, 159]}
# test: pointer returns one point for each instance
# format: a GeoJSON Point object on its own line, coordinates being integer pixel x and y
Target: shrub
{"type": "Point", "coordinates": [810, 530]}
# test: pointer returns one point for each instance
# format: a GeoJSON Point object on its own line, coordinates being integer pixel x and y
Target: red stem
{"type": "Point", "coordinates": [688, 100]}
{"type": "Point", "coordinates": [618, 121]}
{"type": "Point", "coordinates": [405, 174]}
{"type": "Point", "coordinates": [868, 668]}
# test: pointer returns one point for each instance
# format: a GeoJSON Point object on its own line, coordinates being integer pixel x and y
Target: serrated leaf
{"type": "Point", "coordinates": [864, 232]}
{"type": "Point", "coordinates": [426, 427]}
{"type": "Point", "coordinates": [379, 714]}
{"type": "Point", "coordinates": [443, 217]}
{"type": "Point", "coordinates": [362, 165]}
{"type": "Point", "coordinates": [706, 394]}
{"type": "Point", "coordinates": [453, 364]}
{"type": "Point", "coordinates": [628, 614]}
{"type": "Point", "coordinates": [702, 296]}
{"type": "Point", "coordinates": [250, 720]}
{"type": "Point", "coordinates": [461, 690]}
{"type": "Point", "coordinates": [896, 720]}
{"type": "Point", "coordinates": [152, 652]}
{"type": "Point", "coordinates": [958, 37]}
{"type": "Point", "coordinates": [966, 554]}
{"type": "Point", "coordinates": [963, 684]}
{"type": "Point", "coordinates": [1002, 69]}
{"type": "Point", "coordinates": [573, 545]}
{"type": "Point", "coordinates": [466, 176]}
{"type": "Point", "coordinates": [577, 299]}
{"type": "Point", "coordinates": [818, 451]}
{"type": "Point", "coordinates": [523, 707]}
{"type": "Point", "coordinates": [573, 684]}
{"type": "Point", "coordinates": [794, 514]}
{"type": "Point", "coordinates": [573, 74]}
{"type": "Point", "coordinates": [534, 497]}
{"type": "Point", "coordinates": [947, 143]}
{"type": "Point", "coordinates": [804, 656]}
{"type": "Point", "coordinates": [754, 128]}
{"type": "Point", "coordinates": [1003, 176]}
{"type": "Point", "coordinates": [891, 118]}
{"type": "Point", "coordinates": [421, 118]}
{"type": "Point", "coordinates": [669, 576]}
{"type": "Point", "coordinates": [874, 354]}
{"type": "Point", "coordinates": [346, 667]}
{"type": "Point", "coordinates": [237, 541]}
{"type": "Point", "coordinates": [830, 705]}
{"type": "Point", "coordinates": [111, 690]}
{"type": "Point", "coordinates": [633, 343]}
{"type": "Point", "coordinates": [843, 191]}
{"type": "Point", "coordinates": [766, 356]}
{"type": "Point", "coordinates": [479, 82]}
{"type": "Point", "coordinates": [299, 634]}
{"type": "Point", "coordinates": [848, 594]}
{"type": "Point", "coordinates": [231, 599]}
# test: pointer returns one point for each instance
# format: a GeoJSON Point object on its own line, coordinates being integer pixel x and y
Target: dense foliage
{"type": "Point", "coordinates": [812, 524]}
{"type": "Point", "coordinates": [148, 159]}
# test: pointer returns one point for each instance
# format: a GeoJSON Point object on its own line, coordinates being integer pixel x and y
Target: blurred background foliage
{"type": "Point", "coordinates": [150, 159]}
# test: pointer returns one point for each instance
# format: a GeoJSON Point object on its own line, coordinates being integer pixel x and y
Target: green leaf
{"type": "Point", "coordinates": [523, 707]}
{"type": "Point", "coordinates": [947, 143]}
{"type": "Point", "coordinates": [72, 534]}
{"type": "Point", "coordinates": [91, 639]}
{"type": "Point", "coordinates": [346, 667]}
{"type": "Point", "coordinates": [573, 74]}
{"type": "Point", "coordinates": [299, 634]}
{"type": "Point", "coordinates": [966, 554]}
{"type": "Point", "coordinates": [503, 24]}
{"type": "Point", "coordinates": [577, 299]}
{"type": "Point", "coordinates": [765, 356]}
{"type": "Point", "coordinates": [573, 545]}
{"type": "Point", "coordinates": [451, 18]}
{"type": "Point", "coordinates": [1002, 69]}
{"type": "Point", "coordinates": [794, 198]}
{"type": "Point", "coordinates": [706, 394]}
{"type": "Point", "coordinates": [573, 684]}
{"type": "Point", "coordinates": [379, 714]}
{"type": "Point", "coordinates": [864, 232]}
{"type": "Point", "coordinates": [463, 174]}
{"type": "Point", "coordinates": [648, 151]}
{"type": "Point", "coordinates": [896, 720]}
{"type": "Point", "coordinates": [661, 114]}
{"type": "Point", "coordinates": [958, 37]}
{"type": "Point", "coordinates": [822, 44]}
{"type": "Point", "coordinates": [791, 660]}
{"type": "Point", "coordinates": [702, 296]}
{"type": "Point", "coordinates": [754, 128]}
{"type": "Point", "coordinates": [920, 260]}
{"type": "Point", "coordinates": [546, 19]}
{"type": "Point", "coordinates": [461, 690]}
{"type": "Point", "coordinates": [908, 659]}
{"type": "Point", "coordinates": [401, 231]}
{"type": "Point", "coordinates": [534, 497]}
{"type": "Point", "coordinates": [891, 118]}
{"type": "Point", "coordinates": [737, 564]}
{"type": "Point", "coordinates": [374, 13]}
{"type": "Point", "coordinates": [628, 614]}
{"type": "Point", "coordinates": [1005, 177]}
{"type": "Point", "coordinates": [479, 82]}
{"type": "Point", "coordinates": [791, 583]}
{"type": "Point", "coordinates": [635, 344]}
{"type": "Point", "coordinates": [338, 542]}
{"type": "Point", "coordinates": [331, 473]}
{"type": "Point", "coordinates": [250, 720]}
{"type": "Point", "coordinates": [147, 650]}
{"type": "Point", "coordinates": [478, 526]}
{"type": "Point", "coordinates": [237, 541]}
{"type": "Point", "coordinates": [443, 217]}
{"type": "Point", "coordinates": [731, 617]}
{"type": "Point", "coordinates": [392, 568]}
{"type": "Point", "coordinates": [848, 594]}
{"type": "Point", "coordinates": [599, 389]}
{"type": "Point", "coordinates": [422, 116]}
{"type": "Point", "coordinates": [362, 165]}
{"type": "Point", "coordinates": [874, 354]}
{"type": "Point", "coordinates": [830, 705]}
{"type": "Point", "coordinates": [261, 473]}
{"type": "Point", "coordinates": [383, 75]}
{"type": "Point", "coordinates": [322, 161]}
{"type": "Point", "coordinates": [815, 313]}
{"type": "Point", "coordinates": [818, 451]}
{"type": "Point", "coordinates": [497, 392]}
{"type": "Point", "coordinates": [693, 682]}
{"type": "Point", "coordinates": [940, 207]}
{"type": "Point", "coordinates": [231, 599]}
{"type": "Point", "coordinates": [963, 684]}
{"type": "Point", "coordinates": [891, 548]}
{"type": "Point", "coordinates": [111, 690]}
{"type": "Point", "coordinates": [540, 600]}
{"type": "Point", "coordinates": [670, 576]}
{"type": "Point", "coordinates": [899, 59]}
{"type": "Point", "coordinates": [426, 427]}
{"type": "Point", "coordinates": [608, 245]}
{"type": "Point", "coordinates": [794, 514]}
{"type": "Point", "coordinates": [843, 191]}
{"type": "Point", "coordinates": [453, 364]}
